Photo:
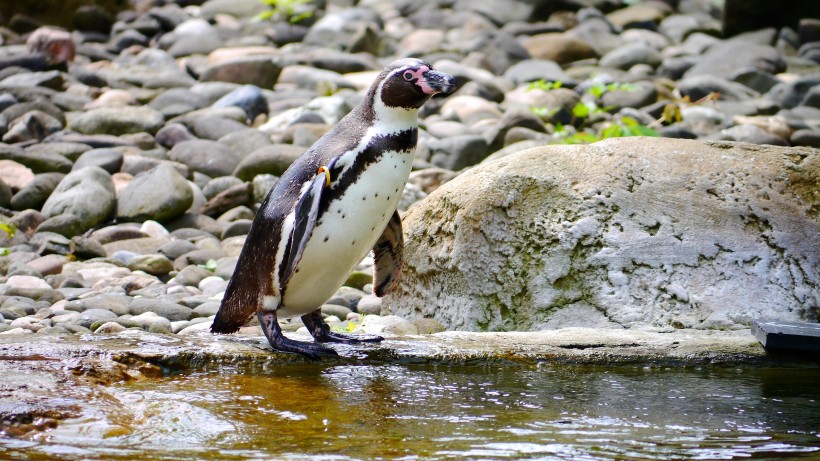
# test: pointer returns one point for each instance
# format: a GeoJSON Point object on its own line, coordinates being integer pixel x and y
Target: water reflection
{"type": "Point", "coordinates": [359, 411]}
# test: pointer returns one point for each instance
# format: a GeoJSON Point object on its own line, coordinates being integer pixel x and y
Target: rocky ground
{"type": "Point", "coordinates": [135, 149]}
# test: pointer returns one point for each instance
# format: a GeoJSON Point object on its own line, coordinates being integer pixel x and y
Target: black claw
{"type": "Point", "coordinates": [332, 337]}
{"type": "Point", "coordinates": [278, 341]}
{"type": "Point", "coordinates": [321, 331]}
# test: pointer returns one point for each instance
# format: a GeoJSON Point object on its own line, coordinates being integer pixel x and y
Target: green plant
{"type": "Point", "coordinates": [583, 111]}
{"type": "Point", "coordinates": [9, 228]}
{"type": "Point", "coordinates": [209, 265]}
{"type": "Point", "coordinates": [284, 10]}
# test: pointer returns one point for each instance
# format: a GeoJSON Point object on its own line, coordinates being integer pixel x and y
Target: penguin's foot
{"type": "Point", "coordinates": [321, 331]}
{"type": "Point", "coordinates": [278, 341]}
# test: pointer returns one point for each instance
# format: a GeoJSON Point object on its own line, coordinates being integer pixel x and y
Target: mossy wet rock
{"type": "Point", "coordinates": [626, 232]}
{"type": "Point", "coordinates": [159, 194]}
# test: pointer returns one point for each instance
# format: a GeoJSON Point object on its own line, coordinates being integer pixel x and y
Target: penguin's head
{"type": "Point", "coordinates": [408, 83]}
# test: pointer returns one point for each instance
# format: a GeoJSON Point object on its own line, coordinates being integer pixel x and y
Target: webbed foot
{"type": "Point", "coordinates": [321, 331]}
{"type": "Point", "coordinates": [279, 342]}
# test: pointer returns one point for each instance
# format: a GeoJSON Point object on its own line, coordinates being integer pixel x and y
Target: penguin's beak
{"type": "Point", "coordinates": [434, 82]}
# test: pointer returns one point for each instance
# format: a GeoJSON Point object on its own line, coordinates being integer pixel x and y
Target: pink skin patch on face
{"type": "Point", "coordinates": [420, 81]}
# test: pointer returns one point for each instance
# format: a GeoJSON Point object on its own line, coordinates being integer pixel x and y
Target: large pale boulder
{"type": "Point", "coordinates": [629, 232]}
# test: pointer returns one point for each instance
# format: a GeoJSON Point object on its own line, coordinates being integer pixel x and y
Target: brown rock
{"type": "Point", "coordinates": [558, 47]}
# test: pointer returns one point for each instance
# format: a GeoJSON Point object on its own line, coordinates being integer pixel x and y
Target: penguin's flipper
{"type": "Point", "coordinates": [388, 256]}
{"type": "Point", "coordinates": [305, 212]}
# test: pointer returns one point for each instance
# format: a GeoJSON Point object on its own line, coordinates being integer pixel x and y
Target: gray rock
{"type": "Point", "coordinates": [151, 264]}
{"type": "Point", "coordinates": [194, 36]}
{"type": "Point", "coordinates": [262, 184]}
{"type": "Point", "coordinates": [118, 120]}
{"type": "Point", "coordinates": [36, 192]}
{"type": "Point", "coordinates": [31, 126]}
{"type": "Point", "coordinates": [806, 137]}
{"type": "Point", "coordinates": [532, 70]}
{"type": "Point", "coordinates": [172, 134]}
{"type": "Point", "coordinates": [640, 95]}
{"type": "Point", "coordinates": [206, 309]}
{"type": "Point", "coordinates": [217, 185]}
{"type": "Point", "coordinates": [109, 160]}
{"type": "Point", "coordinates": [261, 71]}
{"type": "Point", "coordinates": [192, 275]}
{"type": "Point", "coordinates": [209, 157]}
{"type": "Point", "coordinates": [213, 128]}
{"type": "Point", "coordinates": [751, 134]}
{"type": "Point", "coordinates": [754, 78]}
{"type": "Point", "coordinates": [699, 86]}
{"type": "Point", "coordinates": [341, 29]}
{"type": "Point", "coordinates": [165, 309]}
{"type": "Point", "coordinates": [39, 161]}
{"type": "Point", "coordinates": [246, 141]}
{"type": "Point", "coordinates": [67, 225]}
{"type": "Point", "coordinates": [273, 159]}
{"type": "Point", "coordinates": [512, 243]}
{"type": "Point", "coordinates": [248, 98]}
{"type": "Point", "coordinates": [630, 54]}
{"type": "Point", "coordinates": [160, 194]}
{"type": "Point", "coordinates": [725, 58]}
{"type": "Point", "coordinates": [458, 152]}
{"type": "Point", "coordinates": [88, 194]}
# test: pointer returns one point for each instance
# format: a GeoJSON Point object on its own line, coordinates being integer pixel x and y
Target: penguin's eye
{"type": "Point", "coordinates": [409, 76]}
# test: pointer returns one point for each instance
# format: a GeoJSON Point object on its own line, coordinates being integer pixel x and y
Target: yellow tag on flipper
{"type": "Point", "coordinates": [326, 171]}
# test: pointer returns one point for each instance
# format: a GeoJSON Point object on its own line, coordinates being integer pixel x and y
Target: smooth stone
{"type": "Point", "coordinates": [806, 137]}
{"type": "Point", "coordinates": [261, 71]}
{"type": "Point", "coordinates": [67, 225]}
{"type": "Point", "coordinates": [151, 320]}
{"type": "Point", "coordinates": [207, 309]}
{"type": "Point", "coordinates": [50, 243]}
{"type": "Point", "coordinates": [160, 194]}
{"type": "Point", "coordinates": [237, 227]}
{"type": "Point", "coordinates": [87, 194]}
{"type": "Point", "coordinates": [375, 324]}
{"type": "Point", "coordinates": [532, 70]}
{"type": "Point", "coordinates": [369, 305]}
{"type": "Point", "coordinates": [212, 285]}
{"type": "Point", "coordinates": [428, 326]}
{"type": "Point", "coordinates": [37, 160]}
{"type": "Point", "coordinates": [109, 328]}
{"type": "Point", "coordinates": [558, 47]}
{"type": "Point", "coordinates": [108, 159]}
{"type": "Point", "coordinates": [248, 98]}
{"type": "Point", "coordinates": [335, 310]}
{"type": "Point", "coordinates": [273, 159]}
{"type": "Point", "coordinates": [173, 133]}
{"type": "Point", "coordinates": [14, 174]}
{"type": "Point", "coordinates": [36, 192]}
{"type": "Point", "coordinates": [27, 282]}
{"type": "Point", "coordinates": [118, 304]}
{"type": "Point", "coordinates": [700, 86]}
{"type": "Point", "coordinates": [725, 58]}
{"type": "Point", "coordinates": [751, 134]}
{"type": "Point", "coordinates": [213, 128]}
{"type": "Point", "coordinates": [164, 309]}
{"type": "Point", "coordinates": [118, 121]}
{"type": "Point", "coordinates": [31, 126]}
{"type": "Point", "coordinates": [151, 264]}
{"type": "Point", "coordinates": [630, 54]}
{"type": "Point", "coordinates": [457, 152]}
{"type": "Point", "coordinates": [208, 157]}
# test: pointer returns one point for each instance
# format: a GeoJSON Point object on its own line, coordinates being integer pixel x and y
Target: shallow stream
{"type": "Point", "coordinates": [358, 410]}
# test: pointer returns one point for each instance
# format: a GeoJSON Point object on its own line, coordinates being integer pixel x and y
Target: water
{"type": "Point", "coordinates": [361, 411]}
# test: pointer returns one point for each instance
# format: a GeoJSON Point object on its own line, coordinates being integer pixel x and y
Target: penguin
{"type": "Point", "coordinates": [332, 206]}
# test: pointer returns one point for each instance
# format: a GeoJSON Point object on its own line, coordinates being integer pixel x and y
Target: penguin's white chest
{"type": "Point", "coordinates": [346, 232]}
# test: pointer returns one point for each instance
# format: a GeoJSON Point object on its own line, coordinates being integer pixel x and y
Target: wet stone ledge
{"type": "Point", "coordinates": [44, 380]}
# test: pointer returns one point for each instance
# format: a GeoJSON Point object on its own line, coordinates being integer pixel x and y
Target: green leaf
{"type": "Point", "coordinates": [210, 265]}
{"type": "Point", "coordinates": [4, 251]}
{"type": "Point", "coordinates": [9, 228]}
{"type": "Point", "coordinates": [597, 90]}
{"type": "Point", "coordinates": [580, 110]}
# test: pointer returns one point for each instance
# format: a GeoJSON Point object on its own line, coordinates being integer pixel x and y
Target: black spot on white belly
{"type": "Point", "coordinates": [327, 237]}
